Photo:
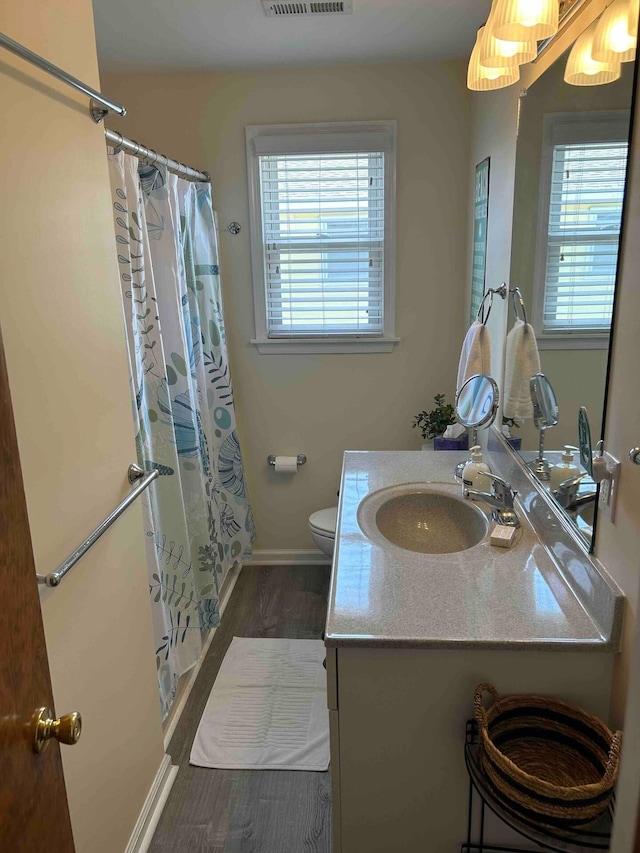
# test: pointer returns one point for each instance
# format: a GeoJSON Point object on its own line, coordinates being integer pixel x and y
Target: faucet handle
{"type": "Point", "coordinates": [572, 483]}
{"type": "Point", "coordinates": [501, 488]}
{"type": "Point", "coordinates": [567, 490]}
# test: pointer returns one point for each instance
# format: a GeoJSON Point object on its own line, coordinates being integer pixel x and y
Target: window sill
{"type": "Point", "coordinates": [572, 341]}
{"type": "Point", "coordinates": [294, 346]}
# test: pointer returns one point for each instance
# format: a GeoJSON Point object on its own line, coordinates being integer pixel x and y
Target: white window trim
{"type": "Point", "coordinates": [311, 136]}
{"type": "Point", "coordinates": [559, 128]}
{"type": "Point", "coordinates": [572, 340]}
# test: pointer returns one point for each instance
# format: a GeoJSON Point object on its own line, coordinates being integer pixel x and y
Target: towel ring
{"type": "Point", "coordinates": [489, 294]}
{"type": "Point", "coordinates": [502, 293]}
{"type": "Point", "coordinates": [517, 295]}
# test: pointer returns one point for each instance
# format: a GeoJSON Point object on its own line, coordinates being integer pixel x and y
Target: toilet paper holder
{"type": "Point", "coordinates": [301, 459]}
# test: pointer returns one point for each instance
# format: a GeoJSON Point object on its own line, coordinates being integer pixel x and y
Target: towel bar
{"type": "Point", "coordinates": [135, 474]}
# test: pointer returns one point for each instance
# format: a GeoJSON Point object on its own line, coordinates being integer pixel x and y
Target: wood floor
{"type": "Point", "coordinates": [250, 811]}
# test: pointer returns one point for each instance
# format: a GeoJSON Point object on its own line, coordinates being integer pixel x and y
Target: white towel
{"type": "Point", "coordinates": [475, 356]}
{"type": "Point", "coordinates": [522, 362]}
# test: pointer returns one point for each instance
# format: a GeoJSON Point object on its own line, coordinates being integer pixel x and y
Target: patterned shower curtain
{"type": "Point", "coordinates": [197, 518]}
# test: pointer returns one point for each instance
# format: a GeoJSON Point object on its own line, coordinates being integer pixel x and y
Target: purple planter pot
{"type": "Point", "coordinates": [460, 443]}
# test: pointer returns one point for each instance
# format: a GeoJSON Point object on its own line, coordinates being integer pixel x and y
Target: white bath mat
{"type": "Point", "coordinates": [267, 709]}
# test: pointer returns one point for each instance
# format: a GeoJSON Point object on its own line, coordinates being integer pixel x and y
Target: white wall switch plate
{"type": "Point", "coordinates": [609, 487]}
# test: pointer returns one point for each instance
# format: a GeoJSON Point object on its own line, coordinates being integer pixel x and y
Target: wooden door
{"type": "Point", "coordinates": [34, 815]}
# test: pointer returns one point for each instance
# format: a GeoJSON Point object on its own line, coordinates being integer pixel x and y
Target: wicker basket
{"type": "Point", "coordinates": [547, 760]}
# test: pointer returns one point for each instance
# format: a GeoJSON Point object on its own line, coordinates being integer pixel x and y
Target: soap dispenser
{"type": "Point", "coordinates": [564, 470]}
{"type": "Point", "coordinates": [473, 473]}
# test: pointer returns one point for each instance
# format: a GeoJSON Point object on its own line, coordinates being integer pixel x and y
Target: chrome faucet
{"type": "Point", "coordinates": [500, 499]}
{"type": "Point", "coordinates": [567, 493]}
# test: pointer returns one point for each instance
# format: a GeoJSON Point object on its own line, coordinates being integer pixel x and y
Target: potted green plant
{"type": "Point", "coordinates": [432, 425]}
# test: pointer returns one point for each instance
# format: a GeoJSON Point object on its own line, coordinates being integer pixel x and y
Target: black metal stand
{"type": "Point", "coordinates": [579, 840]}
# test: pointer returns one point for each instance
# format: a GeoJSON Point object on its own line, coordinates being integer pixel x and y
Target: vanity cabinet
{"type": "Point", "coordinates": [409, 636]}
{"type": "Point", "coordinates": [397, 723]}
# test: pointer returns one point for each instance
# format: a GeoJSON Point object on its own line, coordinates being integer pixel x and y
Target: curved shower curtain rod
{"type": "Point", "coordinates": [148, 155]}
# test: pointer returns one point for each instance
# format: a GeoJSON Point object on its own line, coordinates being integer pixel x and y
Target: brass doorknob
{"type": "Point", "coordinates": [44, 726]}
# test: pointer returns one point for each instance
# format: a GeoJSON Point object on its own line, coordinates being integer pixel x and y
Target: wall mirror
{"type": "Point", "coordinates": [571, 159]}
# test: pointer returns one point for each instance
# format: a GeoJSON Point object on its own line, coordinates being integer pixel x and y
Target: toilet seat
{"type": "Point", "coordinates": [324, 522]}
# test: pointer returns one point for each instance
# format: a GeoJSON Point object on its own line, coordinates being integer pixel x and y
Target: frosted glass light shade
{"type": "Point", "coordinates": [497, 53]}
{"type": "Point", "coordinates": [582, 69]}
{"type": "Point", "coordinates": [633, 15]}
{"type": "Point", "coordinates": [612, 42]}
{"type": "Point", "coordinates": [525, 20]}
{"type": "Point", "coordinates": [481, 79]}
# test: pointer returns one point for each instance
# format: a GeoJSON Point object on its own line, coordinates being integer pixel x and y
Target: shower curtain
{"type": "Point", "coordinates": [198, 521]}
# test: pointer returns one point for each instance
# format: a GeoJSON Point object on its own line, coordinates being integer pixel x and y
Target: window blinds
{"type": "Point", "coordinates": [585, 211]}
{"type": "Point", "coordinates": [323, 227]}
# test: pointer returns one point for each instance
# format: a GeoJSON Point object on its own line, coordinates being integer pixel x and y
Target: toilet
{"type": "Point", "coordinates": [322, 525]}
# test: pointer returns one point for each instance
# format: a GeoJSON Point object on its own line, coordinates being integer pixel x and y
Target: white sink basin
{"type": "Point", "coordinates": [428, 519]}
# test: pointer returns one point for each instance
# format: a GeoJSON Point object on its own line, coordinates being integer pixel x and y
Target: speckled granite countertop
{"type": "Point", "coordinates": [485, 597]}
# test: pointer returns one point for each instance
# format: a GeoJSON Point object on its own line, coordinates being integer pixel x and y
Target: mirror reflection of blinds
{"type": "Point", "coordinates": [323, 231]}
{"type": "Point", "coordinates": [585, 212]}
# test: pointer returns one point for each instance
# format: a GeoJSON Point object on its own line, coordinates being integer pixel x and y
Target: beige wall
{"type": "Point", "coordinates": [322, 405]}
{"type": "Point", "coordinates": [494, 117]}
{"type": "Point", "coordinates": [65, 348]}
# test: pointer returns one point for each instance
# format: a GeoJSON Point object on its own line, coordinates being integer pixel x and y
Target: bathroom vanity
{"type": "Point", "coordinates": [410, 634]}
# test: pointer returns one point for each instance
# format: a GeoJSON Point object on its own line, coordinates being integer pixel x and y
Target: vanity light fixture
{"type": "Point", "coordinates": [498, 53]}
{"type": "Point", "coordinates": [525, 20]}
{"type": "Point", "coordinates": [633, 15]}
{"type": "Point", "coordinates": [612, 42]}
{"type": "Point", "coordinates": [582, 69]}
{"type": "Point", "coordinates": [483, 79]}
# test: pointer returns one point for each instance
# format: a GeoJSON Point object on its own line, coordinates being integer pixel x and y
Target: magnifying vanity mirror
{"type": "Point", "coordinates": [477, 401]}
{"type": "Point", "coordinates": [571, 159]}
{"type": "Point", "coordinates": [545, 416]}
{"type": "Point", "coordinates": [476, 406]}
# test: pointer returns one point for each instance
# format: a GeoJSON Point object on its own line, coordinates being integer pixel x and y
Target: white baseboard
{"type": "Point", "coordinates": [288, 558]}
{"type": "Point", "coordinates": [228, 586]}
{"type": "Point", "coordinates": [152, 809]}
{"type": "Point", "coordinates": [176, 712]}
{"type": "Point", "coordinates": [165, 777]}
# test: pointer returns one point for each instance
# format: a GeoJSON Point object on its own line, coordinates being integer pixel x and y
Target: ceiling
{"type": "Point", "coordinates": [165, 35]}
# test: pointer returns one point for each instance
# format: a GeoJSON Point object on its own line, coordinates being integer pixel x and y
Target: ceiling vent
{"type": "Point", "coordinates": [274, 9]}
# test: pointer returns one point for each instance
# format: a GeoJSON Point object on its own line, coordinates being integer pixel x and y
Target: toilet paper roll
{"type": "Point", "coordinates": [286, 465]}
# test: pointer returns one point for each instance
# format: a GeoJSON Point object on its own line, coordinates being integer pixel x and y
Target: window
{"type": "Point", "coordinates": [583, 179]}
{"type": "Point", "coordinates": [322, 209]}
